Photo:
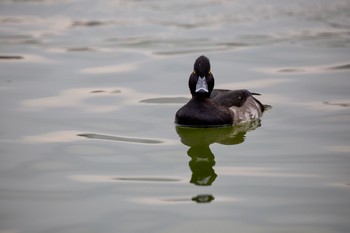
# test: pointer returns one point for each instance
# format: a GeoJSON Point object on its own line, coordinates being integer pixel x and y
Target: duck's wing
{"type": "Point", "coordinates": [233, 98]}
{"type": "Point", "coordinates": [230, 98]}
{"type": "Point", "coordinates": [218, 92]}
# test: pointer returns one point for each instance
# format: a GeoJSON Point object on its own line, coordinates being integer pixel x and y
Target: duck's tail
{"type": "Point", "coordinates": [254, 93]}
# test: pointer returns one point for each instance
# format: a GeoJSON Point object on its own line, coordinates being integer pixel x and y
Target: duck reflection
{"type": "Point", "coordinates": [199, 140]}
{"type": "Point", "coordinates": [203, 198]}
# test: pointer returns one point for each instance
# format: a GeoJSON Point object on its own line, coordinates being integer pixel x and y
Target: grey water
{"type": "Point", "coordinates": [88, 94]}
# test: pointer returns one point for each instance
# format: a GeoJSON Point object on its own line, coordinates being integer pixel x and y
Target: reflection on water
{"type": "Point", "coordinates": [203, 198]}
{"type": "Point", "coordinates": [201, 164]}
{"type": "Point", "coordinates": [199, 140]}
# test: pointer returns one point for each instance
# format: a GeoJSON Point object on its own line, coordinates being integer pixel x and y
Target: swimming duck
{"type": "Point", "coordinates": [215, 107]}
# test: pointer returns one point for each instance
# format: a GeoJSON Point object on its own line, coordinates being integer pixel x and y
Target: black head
{"type": "Point", "coordinates": [201, 81]}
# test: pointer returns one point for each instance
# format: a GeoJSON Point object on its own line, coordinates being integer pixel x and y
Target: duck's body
{"type": "Point", "coordinates": [215, 107]}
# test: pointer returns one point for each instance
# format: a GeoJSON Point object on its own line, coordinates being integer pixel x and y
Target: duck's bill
{"type": "Point", "coordinates": [202, 86]}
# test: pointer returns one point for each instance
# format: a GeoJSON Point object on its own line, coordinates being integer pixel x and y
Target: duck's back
{"type": "Point", "coordinates": [203, 112]}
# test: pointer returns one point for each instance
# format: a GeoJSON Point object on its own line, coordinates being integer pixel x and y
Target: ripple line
{"type": "Point", "coordinates": [120, 139]}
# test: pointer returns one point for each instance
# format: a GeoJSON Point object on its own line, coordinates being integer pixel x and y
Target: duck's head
{"type": "Point", "coordinates": [201, 81]}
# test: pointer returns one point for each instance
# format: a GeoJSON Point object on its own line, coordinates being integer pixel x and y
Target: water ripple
{"type": "Point", "coordinates": [70, 136]}
{"type": "Point", "coordinates": [165, 100]}
{"type": "Point", "coordinates": [337, 104]}
{"type": "Point", "coordinates": [91, 23]}
{"type": "Point", "coordinates": [340, 67]}
{"type": "Point", "coordinates": [103, 179]}
{"type": "Point", "coordinates": [120, 138]}
{"type": "Point", "coordinates": [147, 179]}
{"type": "Point", "coordinates": [11, 57]}
{"type": "Point", "coordinates": [310, 69]}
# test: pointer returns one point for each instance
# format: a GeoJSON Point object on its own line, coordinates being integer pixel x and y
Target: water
{"type": "Point", "coordinates": [89, 90]}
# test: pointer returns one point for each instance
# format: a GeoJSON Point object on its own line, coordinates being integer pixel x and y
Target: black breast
{"type": "Point", "coordinates": [203, 112]}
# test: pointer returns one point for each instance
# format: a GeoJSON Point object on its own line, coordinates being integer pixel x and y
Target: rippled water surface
{"type": "Point", "coordinates": [88, 94]}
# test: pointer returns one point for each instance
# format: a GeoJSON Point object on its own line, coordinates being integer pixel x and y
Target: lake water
{"type": "Point", "coordinates": [88, 94]}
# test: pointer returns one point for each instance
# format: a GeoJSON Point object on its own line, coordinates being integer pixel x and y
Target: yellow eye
{"type": "Point", "coordinates": [194, 72]}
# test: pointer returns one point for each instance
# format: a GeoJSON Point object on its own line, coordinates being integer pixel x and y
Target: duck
{"type": "Point", "coordinates": [211, 107]}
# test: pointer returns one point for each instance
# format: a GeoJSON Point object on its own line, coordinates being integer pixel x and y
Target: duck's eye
{"type": "Point", "coordinates": [240, 97]}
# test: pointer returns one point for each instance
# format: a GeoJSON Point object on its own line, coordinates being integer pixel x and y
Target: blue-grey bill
{"type": "Point", "coordinates": [202, 85]}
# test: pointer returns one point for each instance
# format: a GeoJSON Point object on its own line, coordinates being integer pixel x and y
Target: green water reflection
{"type": "Point", "coordinates": [199, 140]}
